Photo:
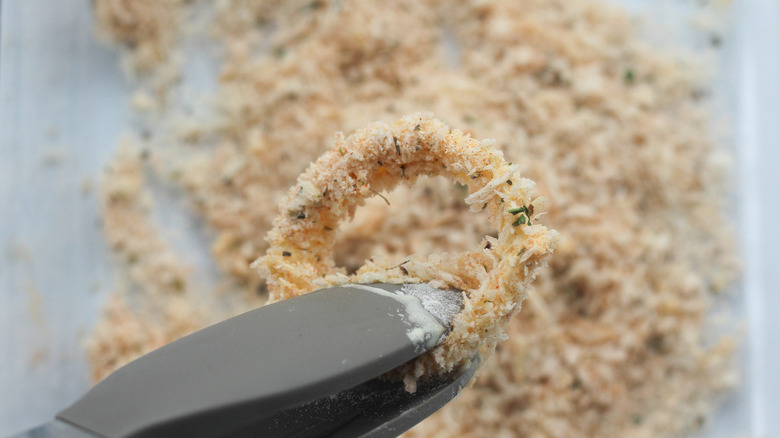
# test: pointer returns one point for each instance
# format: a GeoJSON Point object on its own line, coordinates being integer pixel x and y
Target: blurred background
{"type": "Point", "coordinates": [64, 106]}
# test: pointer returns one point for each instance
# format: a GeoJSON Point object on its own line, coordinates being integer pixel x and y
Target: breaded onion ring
{"type": "Point", "coordinates": [494, 279]}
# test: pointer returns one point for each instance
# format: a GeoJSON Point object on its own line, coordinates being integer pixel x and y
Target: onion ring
{"type": "Point", "coordinates": [495, 279]}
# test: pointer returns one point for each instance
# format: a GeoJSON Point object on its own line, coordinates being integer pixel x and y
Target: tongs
{"type": "Point", "coordinates": [305, 367]}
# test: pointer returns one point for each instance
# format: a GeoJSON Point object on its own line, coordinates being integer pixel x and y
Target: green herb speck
{"type": "Point", "coordinates": [628, 76]}
{"type": "Point", "coordinates": [522, 209]}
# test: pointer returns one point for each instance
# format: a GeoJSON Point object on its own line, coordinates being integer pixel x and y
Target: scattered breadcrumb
{"type": "Point", "coordinates": [614, 339]}
{"type": "Point", "coordinates": [129, 231]}
{"type": "Point", "coordinates": [147, 28]}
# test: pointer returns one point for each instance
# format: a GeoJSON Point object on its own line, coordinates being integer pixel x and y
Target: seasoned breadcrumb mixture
{"type": "Point", "coordinates": [614, 339]}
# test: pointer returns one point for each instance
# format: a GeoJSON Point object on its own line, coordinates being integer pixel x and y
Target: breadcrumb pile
{"type": "Point", "coordinates": [615, 338]}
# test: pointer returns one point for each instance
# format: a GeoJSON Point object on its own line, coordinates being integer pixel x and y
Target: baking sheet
{"type": "Point", "coordinates": [64, 105]}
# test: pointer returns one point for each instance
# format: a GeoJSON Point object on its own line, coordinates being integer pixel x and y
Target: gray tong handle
{"type": "Point", "coordinates": [220, 380]}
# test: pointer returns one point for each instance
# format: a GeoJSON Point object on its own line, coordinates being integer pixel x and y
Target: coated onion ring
{"type": "Point", "coordinates": [495, 278]}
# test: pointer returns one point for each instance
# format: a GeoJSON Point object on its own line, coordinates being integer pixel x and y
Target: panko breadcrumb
{"type": "Point", "coordinates": [147, 28]}
{"type": "Point", "coordinates": [614, 339]}
{"type": "Point", "coordinates": [374, 159]}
